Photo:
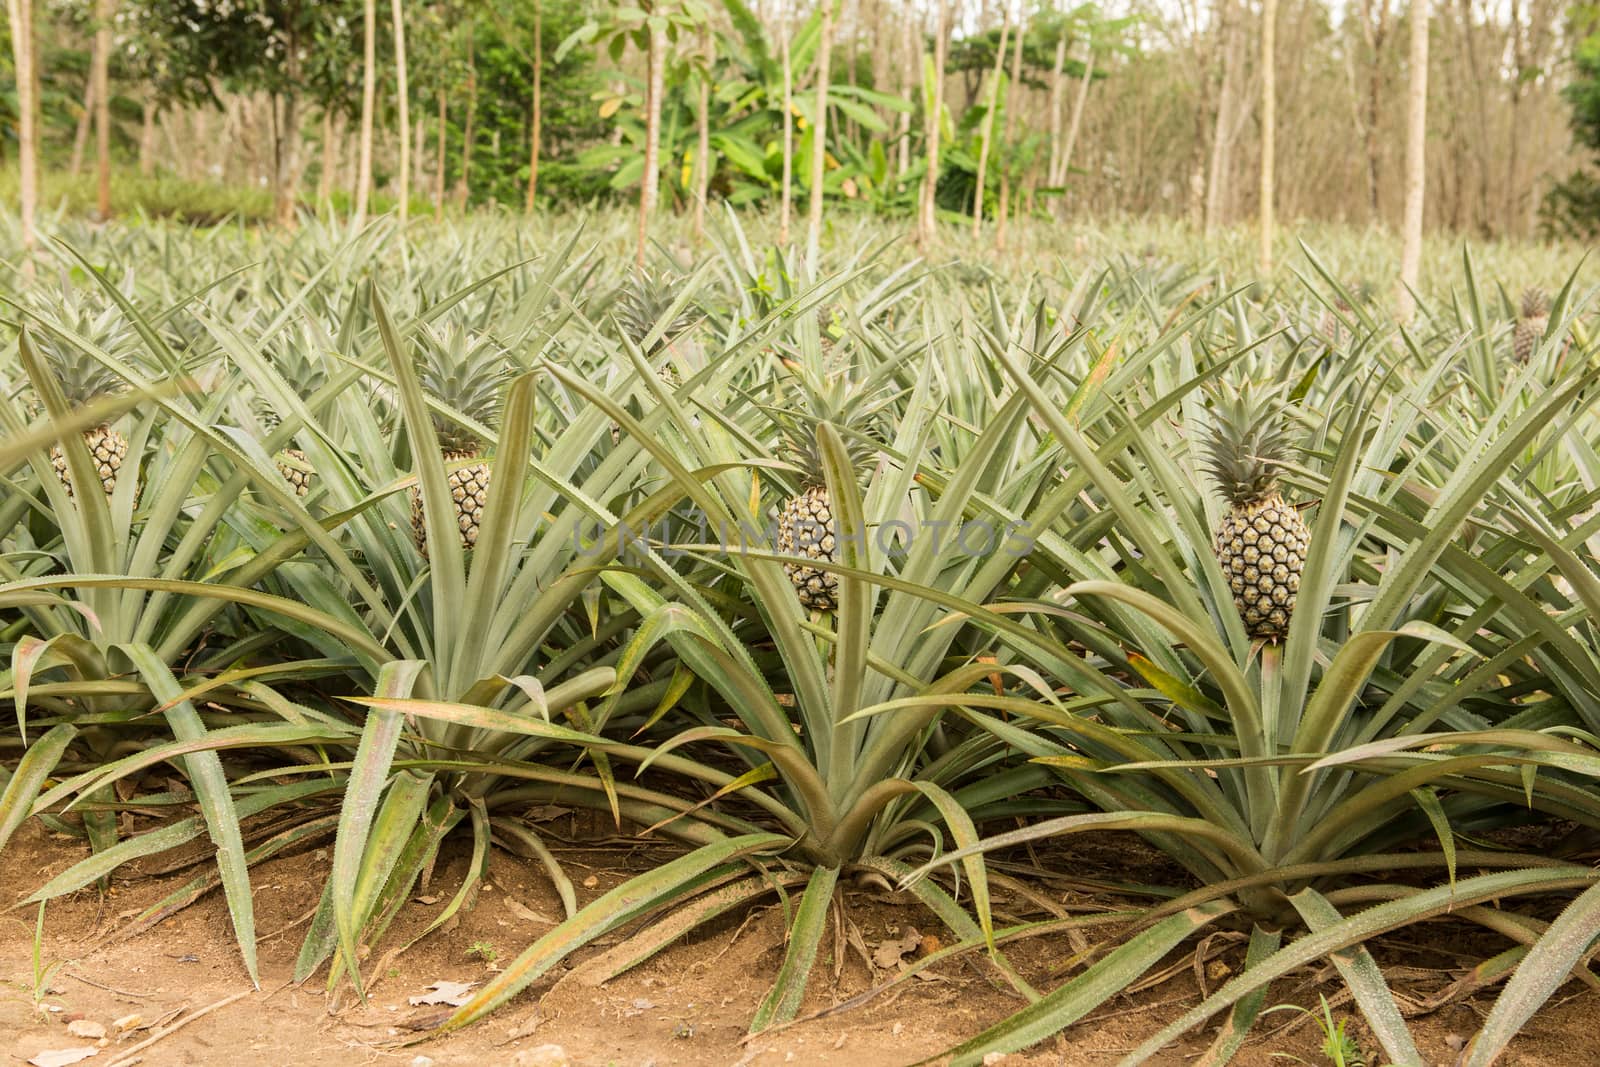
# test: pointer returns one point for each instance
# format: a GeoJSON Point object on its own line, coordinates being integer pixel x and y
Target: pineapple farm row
{"type": "Point", "coordinates": [387, 540]}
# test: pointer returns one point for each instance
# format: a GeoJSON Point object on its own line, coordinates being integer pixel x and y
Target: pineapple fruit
{"type": "Point", "coordinates": [806, 525]}
{"type": "Point", "coordinates": [83, 380]}
{"type": "Point", "coordinates": [1531, 324]}
{"type": "Point", "coordinates": [1261, 542]}
{"type": "Point", "coordinates": [466, 374]}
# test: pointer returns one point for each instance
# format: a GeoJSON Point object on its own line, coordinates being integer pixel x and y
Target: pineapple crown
{"type": "Point", "coordinates": [299, 367]}
{"type": "Point", "coordinates": [465, 372]}
{"type": "Point", "coordinates": [1247, 443]}
{"type": "Point", "coordinates": [827, 390]}
{"type": "Point", "coordinates": [643, 302]}
{"type": "Point", "coordinates": [83, 378]}
{"type": "Point", "coordinates": [1535, 303]}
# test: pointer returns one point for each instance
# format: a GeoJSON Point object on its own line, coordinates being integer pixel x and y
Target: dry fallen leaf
{"type": "Point", "coordinates": [127, 1022]}
{"type": "Point", "coordinates": [454, 994]}
{"type": "Point", "coordinates": [890, 950]}
{"type": "Point", "coordinates": [86, 1028]}
{"type": "Point", "coordinates": [527, 914]}
{"type": "Point", "coordinates": [61, 1057]}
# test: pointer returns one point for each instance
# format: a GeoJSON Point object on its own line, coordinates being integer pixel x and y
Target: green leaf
{"type": "Point", "coordinates": [810, 922]}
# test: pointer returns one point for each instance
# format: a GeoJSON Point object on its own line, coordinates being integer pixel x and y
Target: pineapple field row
{"type": "Point", "coordinates": [886, 572]}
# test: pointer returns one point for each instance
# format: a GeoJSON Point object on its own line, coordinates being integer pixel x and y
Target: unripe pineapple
{"type": "Point", "coordinates": [1531, 324]}
{"type": "Point", "coordinates": [642, 304]}
{"type": "Point", "coordinates": [83, 380]}
{"type": "Point", "coordinates": [1331, 325]}
{"type": "Point", "coordinates": [806, 524]}
{"type": "Point", "coordinates": [1261, 542]}
{"type": "Point", "coordinates": [466, 374]}
{"type": "Point", "coordinates": [305, 375]}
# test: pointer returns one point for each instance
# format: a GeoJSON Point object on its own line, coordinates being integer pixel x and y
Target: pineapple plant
{"type": "Point", "coordinates": [1261, 542]}
{"type": "Point", "coordinates": [1531, 324]}
{"type": "Point", "coordinates": [807, 528]}
{"type": "Point", "coordinates": [83, 380]}
{"type": "Point", "coordinates": [464, 373]}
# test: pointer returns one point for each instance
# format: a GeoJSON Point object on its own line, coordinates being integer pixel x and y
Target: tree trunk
{"type": "Point", "coordinates": [786, 200]}
{"type": "Point", "coordinates": [20, 13]}
{"type": "Point", "coordinates": [329, 157]}
{"type": "Point", "coordinates": [101, 80]}
{"type": "Point", "coordinates": [1416, 163]}
{"type": "Point", "coordinates": [819, 137]}
{"type": "Point", "coordinates": [1058, 92]}
{"type": "Point", "coordinates": [880, 53]}
{"type": "Point", "coordinates": [651, 183]}
{"type": "Point", "coordinates": [1005, 139]}
{"type": "Point", "coordinates": [930, 179]}
{"type": "Point", "coordinates": [988, 123]}
{"type": "Point", "coordinates": [1221, 171]}
{"type": "Point", "coordinates": [286, 149]}
{"type": "Point", "coordinates": [80, 137]}
{"type": "Point", "coordinates": [369, 103]}
{"type": "Point", "coordinates": [419, 153]}
{"type": "Point", "coordinates": [469, 132]}
{"type": "Point", "coordinates": [1076, 124]}
{"type": "Point", "coordinates": [1519, 72]}
{"type": "Point", "coordinates": [536, 120]}
{"type": "Point", "coordinates": [702, 159]}
{"type": "Point", "coordinates": [438, 181]}
{"type": "Point", "coordinates": [1269, 118]}
{"type": "Point", "coordinates": [402, 94]}
{"type": "Point", "coordinates": [912, 58]}
{"type": "Point", "coordinates": [147, 138]}
{"type": "Point", "coordinates": [1377, 35]}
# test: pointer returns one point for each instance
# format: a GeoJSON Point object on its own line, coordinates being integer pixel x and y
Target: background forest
{"type": "Point", "coordinates": [1132, 107]}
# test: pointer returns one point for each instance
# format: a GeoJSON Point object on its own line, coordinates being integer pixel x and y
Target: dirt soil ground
{"type": "Point", "coordinates": [689, 1006]}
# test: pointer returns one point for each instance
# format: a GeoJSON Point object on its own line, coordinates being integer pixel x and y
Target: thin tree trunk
{"type": "Point", "coordinates": [880, 52]}
{"type": "Point", "coordinates": [819, 137]}
{"type": "Point", "coordinates": [286, 152]}
{"type": "Point", "coordinates": [419, 153]}
{"type": "Point", "coordinates": [1227, 104]}
{"type": "Point", "coordinates": [147, 138]}
{"type": "Point", "coordinates": [786, 201]}
{"type": "Point", "coordinates": [20, 13]}
{"type": "Point", "coordinates": [438, 181]}
{"type": "Point", "coordinates": [1058, 92]}
{"type": "Point", "coordinates": [101, 80]}
{"type": "Point", "coordinates": [1416, 162]}
{"type": "Point", "coordinates": [1377, 36]}
{"type": "Point", "coordinates": [651, 184]}
{"type": "Point", "coordinates": [369, 103]}
{"type": "Point", "coordinates": [80, 137]}
{"type": "Point", "coordinates": [912, 56]}
{"type": "Point", "coordinates": [329, 155]}
{"type": "Point", "coordinates": [536, 120]}
{"type": "Point", "coordinates": [930, 179]}
{"type": "Point", "coordinates": [402, 95]}
{"type": "Point", "coordinates": [1076, 123]}
{"type": "Point", "coordinates": [1269, 118]}
{"type": "Point", "coordinates": [988, 123]}
{"type": "Point", "coordinates": [469, 132]}
{"type": "Point", "coordinates": [702, 159]}
{"type": "Point", "coordinates": [1005, 139]}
